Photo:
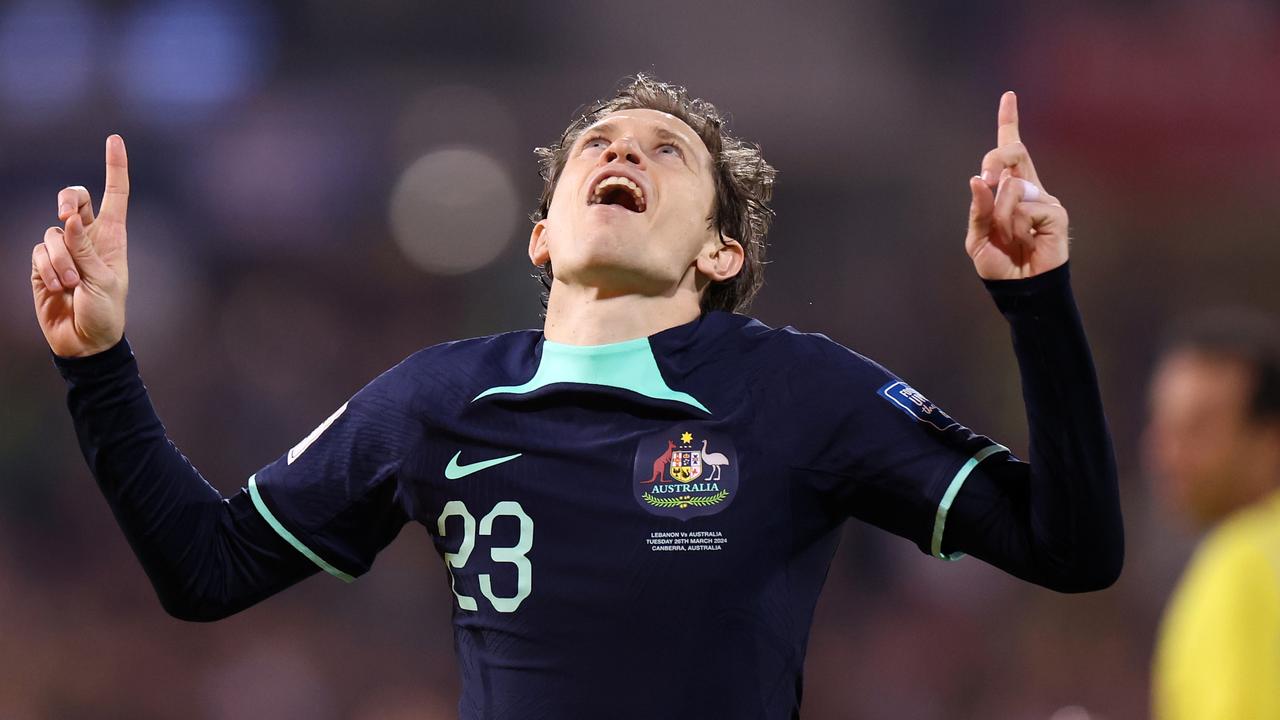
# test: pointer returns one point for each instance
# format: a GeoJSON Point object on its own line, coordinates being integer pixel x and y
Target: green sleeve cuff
{"type": "Point", "coordinates": [953, 489]}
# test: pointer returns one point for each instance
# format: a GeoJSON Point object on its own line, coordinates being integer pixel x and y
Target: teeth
{"type": "Point", "coordinates": [615, 180]}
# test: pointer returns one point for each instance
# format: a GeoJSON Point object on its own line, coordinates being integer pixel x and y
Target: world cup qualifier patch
{"type": "Point", "coordinates": [685, 472]}
{"type": "Point", "coordinates": [910, 401]}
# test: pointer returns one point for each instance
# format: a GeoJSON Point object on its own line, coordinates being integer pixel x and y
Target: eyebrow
{"type": "Point", "coordinates": [665, 134]}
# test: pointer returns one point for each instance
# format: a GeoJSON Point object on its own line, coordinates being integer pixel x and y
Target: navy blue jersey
{"type": "Point", "coordinates": [635, 530]}
{"type": "Point", "coordinates": [629, 523]}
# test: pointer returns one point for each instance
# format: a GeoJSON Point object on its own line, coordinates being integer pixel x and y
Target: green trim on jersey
{"type": "Point", "coordinates": [940, 520]}
{"type": "Point", "coordinates": [288, 536]}
{"type": "Point", "coordinates": [627, 365]}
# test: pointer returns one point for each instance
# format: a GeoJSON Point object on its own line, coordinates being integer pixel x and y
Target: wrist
{"type": "Point", "coordinates": [95, 363]}
{"type": "Point", "coordinates": [1033, 294]}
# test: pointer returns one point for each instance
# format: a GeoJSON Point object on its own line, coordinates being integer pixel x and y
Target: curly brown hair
{"type": "Point", "coordinates": [744, 181]}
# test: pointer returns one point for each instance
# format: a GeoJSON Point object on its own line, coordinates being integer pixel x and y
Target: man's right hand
{"type": "Point", "coordinates": [80, 273]}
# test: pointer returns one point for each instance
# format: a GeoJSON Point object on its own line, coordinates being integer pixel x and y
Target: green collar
{"type": "Point", "coordinates": [628, 365]}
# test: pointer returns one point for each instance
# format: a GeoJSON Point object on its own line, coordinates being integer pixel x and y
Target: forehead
{"type": "Point", "coordinates": [644, 119]}
{"type": "Point", "coordinates": [1189, 378]}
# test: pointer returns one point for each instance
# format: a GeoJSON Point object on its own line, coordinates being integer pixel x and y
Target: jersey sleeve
{"type": "Point", "coordinates": [873, 446]}
{"type": "Point", "coordinates": [336, 496]}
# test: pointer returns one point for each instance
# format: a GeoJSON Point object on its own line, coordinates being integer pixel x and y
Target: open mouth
{"type": "Point", "coordinates": [619, 191]}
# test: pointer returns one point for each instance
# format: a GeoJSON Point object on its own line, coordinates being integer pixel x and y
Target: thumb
{"type": "Point", "coordinates": [85, 255]}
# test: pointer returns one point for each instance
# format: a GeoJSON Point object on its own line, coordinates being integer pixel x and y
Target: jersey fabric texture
{"type": "Point", "coordinates": [1218, 654]}
{"type": "Point", "coordinates": [635, 530]}
{"type": "Point", "coordinates": [748, 446]}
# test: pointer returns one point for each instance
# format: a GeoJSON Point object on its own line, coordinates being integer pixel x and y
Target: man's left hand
{"type": "Point", "coordinates": [1017, 229]}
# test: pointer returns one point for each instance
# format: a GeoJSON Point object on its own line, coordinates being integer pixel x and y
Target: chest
{"type": "Point", "coordinates": [582, 502]}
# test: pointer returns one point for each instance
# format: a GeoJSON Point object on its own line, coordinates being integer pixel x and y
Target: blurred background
{"type": "Point", "coordinates": [319, 189]}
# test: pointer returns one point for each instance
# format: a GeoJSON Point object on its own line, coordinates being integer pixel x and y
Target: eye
{"type": "Point", "coordinates": [670, 149]}
{"type": "Point", "coordinates": [595, 141]}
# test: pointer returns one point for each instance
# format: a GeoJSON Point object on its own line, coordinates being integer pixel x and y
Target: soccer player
{"type": "Point", "coordinates": [637, 504]}
{"type": "Point", "coordinates": [1214, 445]}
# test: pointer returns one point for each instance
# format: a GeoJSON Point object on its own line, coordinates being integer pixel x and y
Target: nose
{"type": "Point", "coordinates": [623, 149]}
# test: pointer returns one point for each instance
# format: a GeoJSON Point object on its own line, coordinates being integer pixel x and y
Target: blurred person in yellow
{"type": "Point", "coordinates": [1213, 443]}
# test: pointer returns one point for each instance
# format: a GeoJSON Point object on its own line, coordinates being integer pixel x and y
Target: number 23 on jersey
{"type": "Point", "coordinates": [516, 555]}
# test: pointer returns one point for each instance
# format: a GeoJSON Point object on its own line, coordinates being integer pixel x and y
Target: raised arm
{"type": "Point", "coordinates": [206, 556]}
{"type": "Point", "coordinates": [1055, 520]}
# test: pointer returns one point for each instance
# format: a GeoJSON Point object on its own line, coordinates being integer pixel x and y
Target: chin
{"type": "Point", "coordinates": [603, 247]}
{"type": "Point", "coordinates": [615, 275]}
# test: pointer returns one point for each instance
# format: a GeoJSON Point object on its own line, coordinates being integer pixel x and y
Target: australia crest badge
{"type": "Point", "coordinates": [685, 472]}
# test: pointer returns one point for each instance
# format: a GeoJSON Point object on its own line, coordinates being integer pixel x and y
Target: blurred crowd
{"type": "Point", "coordinates": [319, 189]}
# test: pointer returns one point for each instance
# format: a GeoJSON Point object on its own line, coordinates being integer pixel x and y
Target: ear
{"type": "Point", "coordinates": [539, 249]}
{"type": "Point", "coordinates": [722, 260]}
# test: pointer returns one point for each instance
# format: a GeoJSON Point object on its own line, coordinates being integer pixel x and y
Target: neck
{"type": "Point", "coordinates": [1249, 484]}
{"type": "Point", "coordinates": [578, 315]}
{"type": "Point", "coordinates": [1262, 488]}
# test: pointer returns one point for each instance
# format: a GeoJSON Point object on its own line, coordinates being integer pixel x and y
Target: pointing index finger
{"type": "Point", "coordinates": [115, 199]}
{"type": "Point", "coordinates": [1007, 120]}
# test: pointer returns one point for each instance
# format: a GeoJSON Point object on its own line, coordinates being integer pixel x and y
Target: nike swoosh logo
{"type": "Point", "coordinates": [453, 470]}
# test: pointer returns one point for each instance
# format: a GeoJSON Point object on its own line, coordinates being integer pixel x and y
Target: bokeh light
{"type": "Point", "coordinates": [191, 55]}
{"type": "Point", "coordinates": [46, 59]}
{"type": "Point", "coordinates": [453, 211]}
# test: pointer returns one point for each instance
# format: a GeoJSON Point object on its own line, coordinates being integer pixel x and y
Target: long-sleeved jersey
{"type": "Point", "coordinates": [639, 529]}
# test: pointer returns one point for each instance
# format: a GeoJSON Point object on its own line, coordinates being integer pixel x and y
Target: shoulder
{"type": "Point", "coordinates": [446, 372]}
{"type": "Point", "coordinates": [476, 347]}
{"type": "Point", "coordinates": [740, 332]}
{"type": "Point", "coordinates": [810, 371]}
{"type": "Point", "coordinates": [489, 349]}
{"type": "Point", "coordinates": [806, 355]}
{"type": "Point", "coordinates": [1217, 651]}
{"type": "Point", "coordinates": [1242, 554]}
